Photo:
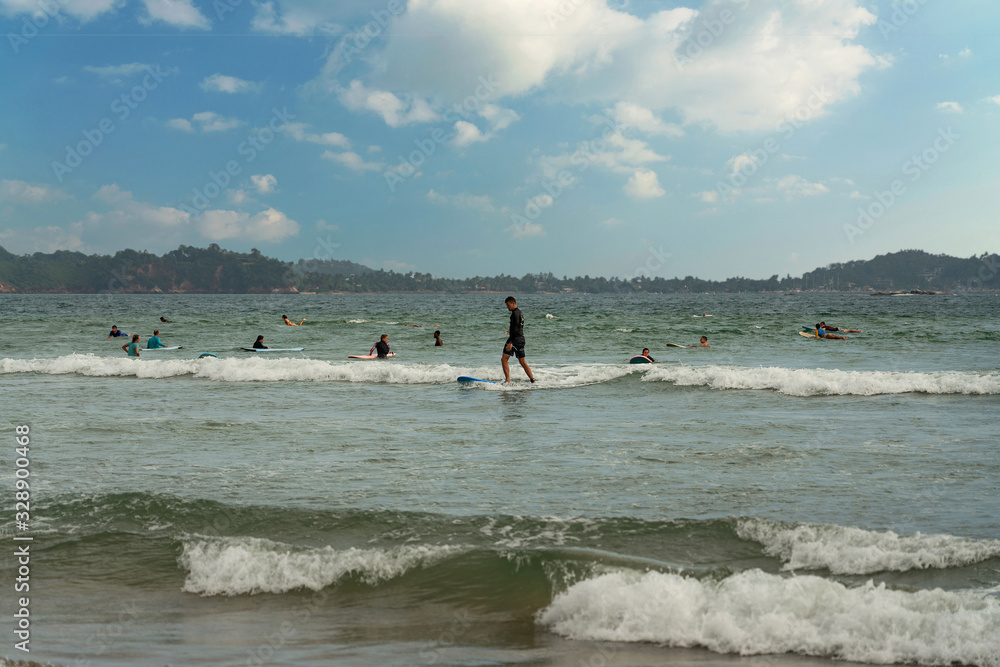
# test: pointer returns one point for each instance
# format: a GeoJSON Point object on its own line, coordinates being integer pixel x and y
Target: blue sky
{"type": "Point", "coordinates": [459, 137]}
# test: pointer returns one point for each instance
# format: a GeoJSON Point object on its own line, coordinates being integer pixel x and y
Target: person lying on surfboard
{"type": "Point", "coordinates": [259, 343]}
{"type": "Point", "coordinates": [115, 333]}
{"type": "Point", "coordinates": [287, 321]}
{"type": "Point", "coordinates": [702, 343]}
{"type": "Point", "coordinates": [829, 328]}
{"type": "Point", "coordinates": [381, 347]}
{"type": "Point", "coordinates": [824, 333]}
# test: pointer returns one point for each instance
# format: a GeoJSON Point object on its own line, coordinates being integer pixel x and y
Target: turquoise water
{"type": "Point", "coordinates": [772, 496]}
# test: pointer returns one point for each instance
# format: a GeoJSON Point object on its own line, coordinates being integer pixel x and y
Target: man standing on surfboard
{"type": "Point", "coordinates": [515, 341]}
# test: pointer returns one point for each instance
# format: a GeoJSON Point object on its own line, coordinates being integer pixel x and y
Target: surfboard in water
{"type": "Point", "coordinates": [675, 345]}
{"type": "Point", "coordinates": [639, 359]}
{"type": "Point", "coordinates": [154, 349]}
{"type": "Point", "coordinates": [272, 349]}
{"type": "Point", "coordinates": [368, 356]}
{"type": "Point", "coordinates": [469, 381]}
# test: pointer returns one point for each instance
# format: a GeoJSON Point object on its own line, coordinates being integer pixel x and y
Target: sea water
{"type": "Point", "coordinates": [769, 500]}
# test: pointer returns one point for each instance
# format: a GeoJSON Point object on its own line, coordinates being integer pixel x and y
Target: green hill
{"type": "Point", "coordinates": [190, 270]}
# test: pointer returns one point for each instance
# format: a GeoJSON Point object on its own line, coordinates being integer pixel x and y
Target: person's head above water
{"type": "Point", "coordinates": [135, 338]}
{"type": "Point", "coordinates": [260, 338]}
{"type": "Point", "coordinates": [645, 351]}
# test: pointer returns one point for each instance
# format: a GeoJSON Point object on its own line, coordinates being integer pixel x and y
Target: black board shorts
{"type": "Point", "coordinates": [517, 350]}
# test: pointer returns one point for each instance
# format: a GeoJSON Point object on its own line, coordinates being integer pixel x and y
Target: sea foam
{"type": "Point", "coordinates": [846, 550]}
{"type": "Point", "coordinates": [754, 613]}
{"type": "Point", "coordinates": [826, 382]}
{"type": "Point", "coordinates": [261, 369]}
{"type": "Point", "coordinates": [249, 565]}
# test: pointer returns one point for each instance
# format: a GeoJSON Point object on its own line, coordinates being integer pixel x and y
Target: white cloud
{"type": "Point", "coordinates": [116, 73]}
{"type": "Point", "coordinates": [395, 111]}
{"type": "Point", "coordinates": [352, 161]}
{"type": "Point", "coordinates": [762, 68]}
{"type": "Point", "coordinates": [466, 133]}
{"type": "Point", "coordinates": [613, 222]}
{"type": "Point", "coordinates": [207, 121]}
{"type": "Point", "coordinates": [220, 83]}
{"type": "Point", "coordinates": [182, 124]}
{"type": "Point", "coordinates": [527, 230]}
{"type": "Point", "coordinates": [264, 183]}
{"type": "Point", "coordinates": [298, 132]}
{"type": "Point", "coordinates": [644, 184]}
{"type": "Point", "coordinates": [793, 186]}
{"type": "Point", "coordinates": [708, 196]}
{"type": "Point", "coordinates": [22, 191]}
{"type": "Point", "coordinates": [269, 225]}
{"type": "Point", "coordinates": [112, 194]}
{"type": "Point", "coordinates": [178, 13]}
{"type": "Point", "coordinates": [84, 10]}
{"type": "Point", "coordinates": [43, 239]}
{"type": "Point", "coordinates": [632, 116]}
{"type": "Point", "coordinates": [954, 107]}
{"type": "Point", "coordinates": [995, 99]}
{"type": "Point", "coordinates": [481, 203]}
{"type": "Point", "coordinates": [304, 17]}
{"type": "Point", "coordinates": [213, 122]}
{"type": "Point", "coordinates": [965, 53]}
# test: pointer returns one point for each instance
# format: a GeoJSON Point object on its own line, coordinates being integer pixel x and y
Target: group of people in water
{"type": "Point", "coordinates": [513, 347]}
{"type": "Point", "coordinates": [823, 330]}
{"type": "Point", "coordinates": [132, 348]}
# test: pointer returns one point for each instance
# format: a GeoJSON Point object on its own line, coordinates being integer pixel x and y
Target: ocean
{"type": "Point", "coordinates": [771, 500]}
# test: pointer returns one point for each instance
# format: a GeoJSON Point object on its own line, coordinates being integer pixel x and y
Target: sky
{"type": "Point", "coordinates": [466, 137]}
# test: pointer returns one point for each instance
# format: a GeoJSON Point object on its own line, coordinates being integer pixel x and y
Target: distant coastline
{"type": "Point", "coordinates": [214, 270]}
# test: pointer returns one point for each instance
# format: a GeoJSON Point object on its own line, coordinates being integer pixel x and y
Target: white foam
{"type": "Point", "coordinates": [826, 382]}
{"type": "Point", "coordinates": [754, 613]}
{"type": "Point", "coordinates": [356, 321]}
{"type": "Point", "coordinates": [263, 369]}
{"type": "Point", "coordinates": [550, 316]}
{"type": "Point", "coordinates": [577, 375]}
{"type": "Point", "coordinates": [250, 565]}
{"type": "Point", "coordinates": [846, 550]}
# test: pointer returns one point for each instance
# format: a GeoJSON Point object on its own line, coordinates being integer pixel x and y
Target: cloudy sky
{"type": "Point", "coordinates": [464, 137]}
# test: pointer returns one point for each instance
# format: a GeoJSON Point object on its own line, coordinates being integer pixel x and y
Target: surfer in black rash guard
{"type": "Point", "coordinates": [381, 347]}
{"type": "Point", "coordinates": [515, 341]}
{"type": "Point", "coordinates": [259, 343]}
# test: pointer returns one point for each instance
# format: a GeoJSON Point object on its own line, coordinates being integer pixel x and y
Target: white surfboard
{"type": "Point", "coordinates": [157, 349]}
{"type": "Point", "coordinates": [272, 349]}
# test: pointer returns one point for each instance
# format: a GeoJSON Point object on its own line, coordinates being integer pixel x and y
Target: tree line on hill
{"type": "Point", "coordinates": [215, 270]}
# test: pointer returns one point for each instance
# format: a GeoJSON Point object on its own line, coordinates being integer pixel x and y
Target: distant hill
{"type": "Point", "coordinates": [190, 270]}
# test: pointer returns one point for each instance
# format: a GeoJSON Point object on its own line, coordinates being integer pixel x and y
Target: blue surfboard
{"type": "Point", "coordinates": [466, 380]}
